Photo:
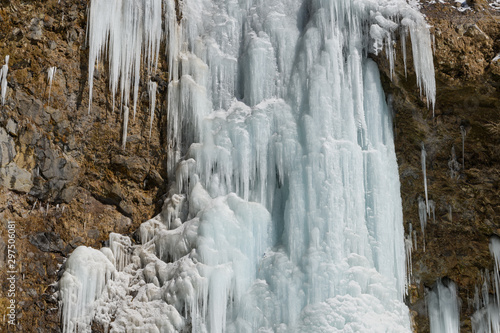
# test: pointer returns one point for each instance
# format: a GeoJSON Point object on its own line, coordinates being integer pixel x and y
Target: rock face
{"type": "Point", "coordinates": [65, 181]}
{"type": "Point", "coordinates": [462, 142]}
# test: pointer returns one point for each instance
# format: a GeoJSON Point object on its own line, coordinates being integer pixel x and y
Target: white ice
{"type": "Point", "coordinates": [3, 79]}
{"type": "Point", "coordinates": [443, 306]}
{"type": "Point", "coordinates": [51, 72]}
{"type": "Point", "coordinates": [285, 212]}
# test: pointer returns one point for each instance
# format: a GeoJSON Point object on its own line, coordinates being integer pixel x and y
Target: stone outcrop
{"type": "Point", "coordinates": [66, 181]}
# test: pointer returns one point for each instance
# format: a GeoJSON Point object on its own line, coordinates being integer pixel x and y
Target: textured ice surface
{"type": "Point", "coordinates": [443, 306]}
{"type": "Point", "coordinates": [284, 214]}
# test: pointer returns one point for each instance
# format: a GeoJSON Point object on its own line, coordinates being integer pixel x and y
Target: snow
{"type": "Point", "coordinates": [3, 79]}
{"type": "Point", "coordinates": [285, 211]}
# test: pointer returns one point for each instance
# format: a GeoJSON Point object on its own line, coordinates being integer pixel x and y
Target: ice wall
{"type": "Point", "coordinates": [284, 214]}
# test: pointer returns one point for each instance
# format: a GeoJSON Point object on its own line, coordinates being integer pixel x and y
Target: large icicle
{"type": "Point", "coordinates": [124, 30]}
{"type": "Point", "coordinates": [444, 308]}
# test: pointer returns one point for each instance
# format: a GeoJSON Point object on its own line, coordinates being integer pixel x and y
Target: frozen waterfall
{"type": "Point", "coordinates": [284, 213]}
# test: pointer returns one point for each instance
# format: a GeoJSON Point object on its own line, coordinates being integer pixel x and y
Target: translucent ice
{"type": "Point", "coordinates": [444, 308]}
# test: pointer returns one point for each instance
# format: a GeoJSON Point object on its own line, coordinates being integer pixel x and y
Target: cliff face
{"type": "Point", "coordinates": [461, 142]}
{"type": "Point", "coordinates": [66, 181]}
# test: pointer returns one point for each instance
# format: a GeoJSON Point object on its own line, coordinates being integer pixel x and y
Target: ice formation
{"type": "Point", "coordinates": [51, 72]}
{"type": "Point", "coordinates": [284, 214]}
{"type": "Point", "coordinates": [153, 86]}
{"type": "Point", "coordinates": [486, 318]}
{"type": "Point", "coordinates": [3, 79]}
{"type": "Point", "coordinates": [424, 172]}
{"type": "Point", "coordinates": [125, 126]}
{"type": "Point", "coordinates": [463, 131]}
{"type": "Point", "coordinates": [443, 306]}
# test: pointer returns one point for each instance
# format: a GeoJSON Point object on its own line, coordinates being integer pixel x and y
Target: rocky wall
{"type": "Point", "coordinates": [65, 180]}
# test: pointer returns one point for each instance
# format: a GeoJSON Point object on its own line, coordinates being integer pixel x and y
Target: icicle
{"type": "Point", "coordinates": [423, 155]}
{"type": "Point", "coordinates": [432, 209]}
{"type": "Point", "coordinates": [123, 30]}
{"type": "Point", "coordinates": [409, 248]}
{"type": "Point", "coordinates": [152, 103]}
{"type": "Point", "coordinates": [3, 78]}
{"type": "Point", "coordinates": [495, 253]}
{"type": "Point", "coordinates": [422, 215]}
{"type": "Point", "coordinates": [464, 133]}
{"type": "Point", "coordinates": [51, 72]}
{"type": "Point", "coordinates": [453, 164]}
{"type": "Point", "coordinates": [125, 126]}
{"type": "Point", "coordinates": [444, 308]}
{"type": "Point", "coordinates": [486, 318]}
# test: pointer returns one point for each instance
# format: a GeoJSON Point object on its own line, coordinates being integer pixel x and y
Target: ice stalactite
{"type": "Point", "coordinates": [125, 126]}
{"type": "Point", "coordinates": [424, 172]}
{"type": "Point", "coordinates": [51, 72]}
{"type": "Point", "coordinates": [444, 307]}
{"type": "Point", "coordinates": [152, 86]}
{"type": "Point", "coordinates": [486, 318]}
{"type": "Point", "coordinates": [3, 79]}
{"type": "Point", "coordinates": [422, 215]}
{"type": "Point", "coordinates": [285, 212]}
{"type": "Point", "coordinates": [463, 131]}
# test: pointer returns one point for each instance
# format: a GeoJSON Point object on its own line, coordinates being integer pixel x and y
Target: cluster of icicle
{"type": "Point", "coordinates": [486, 318]}
{"type": "Point", "coordinates": [285, 211]}
{"type": "Point", "coordinates": [126, 32]}
{"type": "Point", "coordinates": [443, 305]}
